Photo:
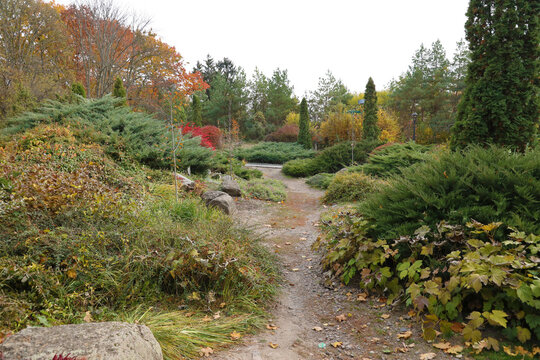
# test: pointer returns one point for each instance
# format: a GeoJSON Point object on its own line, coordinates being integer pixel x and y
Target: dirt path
{"type": "Point", "coordinates": [305, 313]}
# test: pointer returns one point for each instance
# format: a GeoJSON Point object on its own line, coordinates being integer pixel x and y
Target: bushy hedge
{"type": "Point", "coordinates": [389, 160]}
{"type": "Point", "coordinates": [286, 133]}
{"type": "Point", "coordinates": [223, 163]}
{"type": "Point", "coordinates": [331, 159]}
{"type": "Point", "coordinates": [482, 184]}
{"type": "Point", "coordinates": [348, 187]}
{"type": "Point", "coordinates": [452, 273]}
{"type": "Point", "coordinates": [274, 152]}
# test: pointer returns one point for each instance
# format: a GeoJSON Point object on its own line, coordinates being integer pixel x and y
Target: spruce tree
{"type": "Point", "coordinates": [304, 137]}
{"type": "Point", "coordinates": [499, 103]}
{"type": "Point", "coordinates": [119, 90]}
{"type": "Point", "coordinates": [370, 130]}
{"type": "Point", "coordinates": [196, 116]}
{"type": "Point", "coordinates": [78, 88]}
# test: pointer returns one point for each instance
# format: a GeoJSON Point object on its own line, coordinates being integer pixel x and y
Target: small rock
{"type": "Point", "coordinates": [230, 186]}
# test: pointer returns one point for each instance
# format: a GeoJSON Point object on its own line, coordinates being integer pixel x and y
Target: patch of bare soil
{"type": "Point", "coordinates": [315, 318]}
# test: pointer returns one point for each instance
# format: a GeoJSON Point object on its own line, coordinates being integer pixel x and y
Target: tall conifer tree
{"type": "Point", "coordinates": [304, 137]}
{"type": "Point", "coordinates": [500, 102]}
{"type": "Point", "coordinates": [370, 130]}
{"type": "Point", "coordinates": [196, 116]}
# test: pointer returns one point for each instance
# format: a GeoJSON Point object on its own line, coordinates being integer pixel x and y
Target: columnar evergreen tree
{"type": "Point", "coordinates": [196, 116]}
{"type": "Point", "coordinates": [119, 90]}
{"type": "Point", "coordinates": [78, 88]}
{"type": "Point", "coordinates": [370, 129]}
{"type": "Point", "coordinates": [304, 137]}
{"type": "Point", "coordinates": [500, 103]}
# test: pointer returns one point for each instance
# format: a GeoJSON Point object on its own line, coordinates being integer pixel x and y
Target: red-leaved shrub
{"type": "Point", "coordinates": [287, 133]}
{"type": "Point", "coordinates": [194, 131]}
{"type": "Point", "coordinates": [214, 135]}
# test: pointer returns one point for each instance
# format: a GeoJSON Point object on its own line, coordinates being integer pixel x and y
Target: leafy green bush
{"type": "Point", "coordinates": [264, 189]}
{"type": "Point", "coordinates": [320, 181]}
{"type": "Point", "coordinates": [451, 273]}
{"type": "Point", "coordinates": [389, 160]}
{"type": "Point", "coordinates": [274, 152]}
{"type": "Point", "coordinates": [482, 184]}
{"type": "Point", "coordinates": [331, 159]}
{"type": "Point", "coordinates": [346, 187]}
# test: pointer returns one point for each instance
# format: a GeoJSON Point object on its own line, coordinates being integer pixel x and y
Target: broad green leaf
{"type": "Point", "coordinates": [496, 317]}
{"type": "Point", "coordinates": [525, 294]}
{"type": "Point", "coordinates": [523, 334]}
{"type": "Point", "coordinates": [470, 334]}
{"type": "Point", "coordinates": [430, 334]}
{"type": "Point", "coordinates": [452, 283]}
{"type": "Point", "coordinates": [431, 287]}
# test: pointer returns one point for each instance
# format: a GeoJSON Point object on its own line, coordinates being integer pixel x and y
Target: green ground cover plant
{"type": "Point", "coordinates": [274, 152]}
{"type": "Point", "coordinates": [349, 187]}
{"type": "Point", "coordinates": [264, 189]}
{"type": "Point", "coordinates": [331, 159]}
{"type": "Point", "coordinates": [389, 160]}
{"type": "Point", "coordinates": [452, 274]}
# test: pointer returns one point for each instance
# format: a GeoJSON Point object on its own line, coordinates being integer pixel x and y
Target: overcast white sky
{"type": "Point", "coordinates": [354, 39]}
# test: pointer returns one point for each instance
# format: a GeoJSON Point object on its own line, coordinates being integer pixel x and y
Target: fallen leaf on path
{"type": "Point", "coordinates": [287, 243]}
{"type": "Point", "coordinates": [222, 305]}
{"type": "Point", "coordinates": [317, 328]}
{"type": "Point", "coordinates": [235, 335]}
{"type": "Point", "coordinates": [88, 317]}
{"type": "Point", "coordinates": [271, 326]}
{"type": "Point", "coordinates": [337, 344]}
{"type": "Point", "coordinates": [273, 346]}
{"type": "Point", "coordinates": [206, 318]}
{"type": "Point", "coordinates": [442, 346]}
{"type": "Point", "coordinates": [385, 316]}
{"type": "Point", "coordinates": [206, 351]}
{"type": "Point", "coordinates": [375, 339]}
{"type": "Point", "coordinates": [216, 315]}
{"type": "Point", "coordinates": [278, 246]}
{"type": "Point", "coordinates": [362, 297]}
{"type": "Point", "coordinates": [296, 269]}
{"type": "Point", "coordinates": [404, 335]}
{"type": "Point", "coordinates": [401, 350]}
{"type": "Point", "coordinates": [456, 349]}
{"type": "Point", "coordinates": [427, 356]}
{"type": "Point", "coordinates": [341, 317]}
{"type": "Point", "coordinates": [303, 239]}
{"type": "Point", "coordinates": [411, 313]}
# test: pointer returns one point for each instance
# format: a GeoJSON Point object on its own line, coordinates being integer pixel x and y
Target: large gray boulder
{"type": "Point", "coordinates": [220, 200]}
{"type": "Point", "coordinates": [90, 341]}
{"type": "Point", "coordinates": [230, 186]}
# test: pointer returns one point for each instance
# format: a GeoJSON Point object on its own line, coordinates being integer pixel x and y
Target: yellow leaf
{"type": "Point", "coordinates": [385, 316]}
{"type": "Point", "coordinates": [362, 297]}
{"type": "Point", "coordinates": [337, 344]}
{"type": "Point", "coordinates": [235, 335]}
{"type": "Point", "coordinates": [318, 328]}
{"type": "Point", "coordinates": [508, 350]}
{"type": "Point", "coordinates": [456, 349]}
{"type": "Point", "coordinates": [273, 346]}
{"type": "Point", "coordinates": [341, 317]}
{"type": "Point", "coordinates": [271, 326]}
{"type": "Point", "coordinates": [442, 346]}
{"type": "Point", "coordinates": [427, 356]}
{"type": "Point", "coordinates": [71, 273]}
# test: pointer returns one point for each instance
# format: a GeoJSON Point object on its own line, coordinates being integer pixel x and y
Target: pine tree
{"type": "Point", "coordinates": [304, 137]}
{"type": "Point", "coordinates": [370, 129]}
{"type": "Point", "coordinates": [119, 90]}
{"type": "Point", "coordinates": [196, 116]}
{"type": "Point", "coordinates": [499, 104]}
{"type": "Point", "coordinates": [78, 88]}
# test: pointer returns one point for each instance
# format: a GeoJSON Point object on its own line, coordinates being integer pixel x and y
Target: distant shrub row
{"type": "Point", "coordinates": [274, 152]}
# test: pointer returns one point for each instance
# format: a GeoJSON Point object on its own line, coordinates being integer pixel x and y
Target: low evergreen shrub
{"type": "Point", "coordinates": [273, 152]}
{"type": "Point", "coordinates": [264, 189]}
{"type": "Point", "coordinates": [320, 181]}
{"type": "Point", "coordinates": [483, 184]}
{"type": "Point", "coordinates": [389, 160]}
{"type": "Point", "coordinates": [331, 159]}
{"type": "Point", "coordinates": [348, 187]}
